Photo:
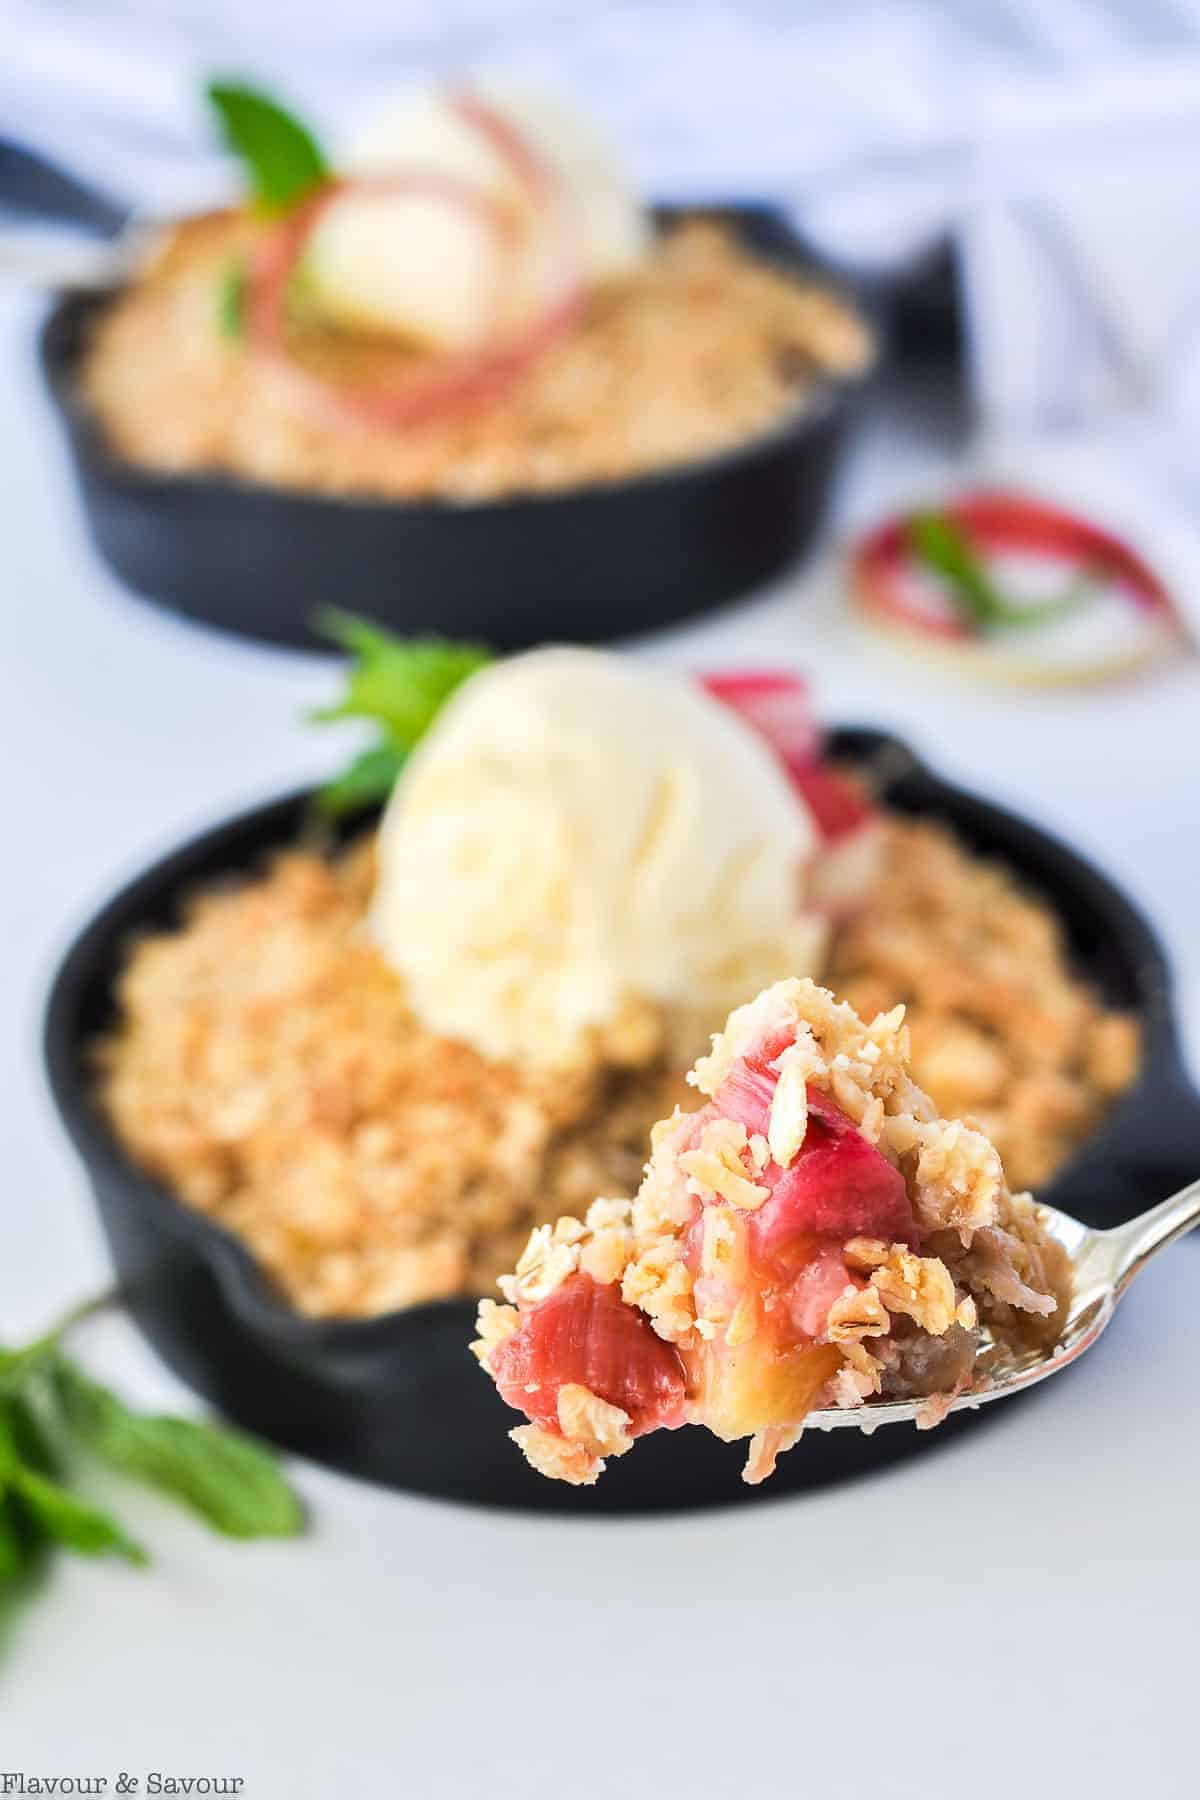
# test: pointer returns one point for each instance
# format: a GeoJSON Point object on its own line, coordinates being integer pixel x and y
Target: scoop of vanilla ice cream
{"type": "Point", "coordinates": [577, 832]}
{"type": "Point", "coordinates": [425, 268]}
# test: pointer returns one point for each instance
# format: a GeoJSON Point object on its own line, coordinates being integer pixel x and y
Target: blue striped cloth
{"type": "Point", "coordinates": [1057, 139]}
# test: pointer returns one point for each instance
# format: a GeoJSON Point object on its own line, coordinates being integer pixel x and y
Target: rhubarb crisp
{"type": "Point", "coordinates": [266, 1067]}
{"type": "Point", "coordinates": [701, 348]}
{"type": "Point", "coordinates": [813, 1236]}
{"type": "Point", "coordinates": [1000, 1026]}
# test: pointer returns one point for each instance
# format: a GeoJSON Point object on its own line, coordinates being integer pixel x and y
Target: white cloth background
{"type": "Point", "coordinates": [1058, 1580]}
{"type": "Point", "coordinates": [1058, 139]}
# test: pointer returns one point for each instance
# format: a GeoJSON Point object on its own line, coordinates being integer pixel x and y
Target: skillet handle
{"type": "Point", "coordinates": [1173, 1147]}
{"type": "Point", "coordinates": [55, 231]}
{"type": "Point", "coordinates": [38, 192]}
{"type": "Point", "coordinates": [1150, 1151]}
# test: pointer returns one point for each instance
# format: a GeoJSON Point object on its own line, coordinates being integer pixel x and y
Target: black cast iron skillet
{"type": "Point", "coordinates": [585, 564]}
{"type": "Point", "coordinates": [398, 1398]}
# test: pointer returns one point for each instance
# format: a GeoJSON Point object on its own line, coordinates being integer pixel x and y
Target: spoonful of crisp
{"type": "Point", "coordinates": [1102, 1264]}
{"type": "Point", "coordinates": [813, 1246]}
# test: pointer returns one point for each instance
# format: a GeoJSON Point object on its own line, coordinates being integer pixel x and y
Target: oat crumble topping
{"type": "Point", "coordinates": [702, 348]}
{"type": "Point", "coordinates": [265, 1066]}
{"type": "Point", "coordinates": [766, 1328]}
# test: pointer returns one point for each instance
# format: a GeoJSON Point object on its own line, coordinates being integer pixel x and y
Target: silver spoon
{"type": "Point", "coordinates": [1103, 1264]}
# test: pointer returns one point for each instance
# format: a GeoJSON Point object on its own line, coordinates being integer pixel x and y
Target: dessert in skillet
{"type": "Point", "coordinates": [382, 1069]}
{"type": "Point", "coordinates": [382, 1064]}
{"type": "Point", "coordinates": [472, 303]}
{"type": "Point", "coordinates": [814, 1235]}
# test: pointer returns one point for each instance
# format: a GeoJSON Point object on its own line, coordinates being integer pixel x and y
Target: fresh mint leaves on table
{"type": "Point", "coordinates": [283, 161]}
{"type": "Point", "coordinates": [936, 540]}
{"type": "Point", "coordinates": [50, 1411]}
{"type": "Point", "coordinates": [399, 686]}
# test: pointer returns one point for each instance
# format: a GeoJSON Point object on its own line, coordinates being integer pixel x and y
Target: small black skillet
{"type": "Point", "coordinates": [398, 1399]}
{"type": "Point", "coordinates": [586, 564]}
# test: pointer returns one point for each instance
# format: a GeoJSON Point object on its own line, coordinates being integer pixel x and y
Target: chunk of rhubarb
{"type": "Point", "coordinates": [777, 705]}
{"type": "Point", "coordinates": [584, 1332]}
{"type": "Point", "coordinates": [837, 802]}
{"type": "Point", "coordinates": [745, 1095]}
{"type": "Point", "coordinates": [823, 1278]}
{"type": "Point", "coordinates": [839, 1185]}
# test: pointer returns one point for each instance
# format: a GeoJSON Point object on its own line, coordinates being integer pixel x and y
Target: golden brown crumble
{"type": "Point", "coordinates": [562, 1459]}
{"type": "Point", "coordinates": [266, 1067]}
{"type": "Point", "coordinates": [268, 1070]}
{"type": "Point", "coordinates": [702, 348]}
{"type": "Point", "coordinates": [1002, 1032]}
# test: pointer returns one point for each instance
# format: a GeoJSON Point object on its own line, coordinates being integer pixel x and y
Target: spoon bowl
{"type": "Point", "coordinates": [1103, 1263]}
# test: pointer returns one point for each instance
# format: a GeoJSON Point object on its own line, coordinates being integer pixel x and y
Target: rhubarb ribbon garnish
{"type": "Point", "coordinates": [445, 383]}
{"type": "Point", "coordinates": [989, 523]}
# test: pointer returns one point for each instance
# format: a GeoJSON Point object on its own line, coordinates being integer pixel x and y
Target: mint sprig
{"type": "Point", "coordinates": [398, 685]}
{"type": "Point", "coordinates": [233, 1483]}
{"type": "Point", "coordinates": [283, 160]}
{"type": "Point", "coordinates": [52, 1414]}
{"type": "Point", "coordinates": [944, 547]}
{"type": "Point", "coordinates": [63, 1518]}
{"type": "Point", "coordinates": [231, 300]}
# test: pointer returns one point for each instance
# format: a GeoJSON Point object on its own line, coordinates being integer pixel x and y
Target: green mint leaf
{"type": "Point", "coordinates": [1080, 591]}
{"type": "Point", "coordinates": [945, 548]}
{"type": "Point", "coordinates": [19, 1367]}
{"type": "Point", "coordinates": [70, 1521]}
{"type": "Point", "coordinates": [231, 301]}
{"type": "Point", "coordinates": [398, 683]}
{"type": "Point", "coordinates": [29, 1498]}
{"type": "Point", "coordinates": [23, 1434]}
{"type": "Point", "coordinates": [942, 545]}
{"type": "Point", "coordinates": [231, 1482]}
{"type": "Point", "coordinates": [18, 1537]}
{"type": "Point", "coordinates": [11, 1460]}
{"type": "Point", "coordinates": [361, 637]}
{"type": "Point", "coordinates": [369, 779]}
{"type": "Point", "coordinates": [233, 287]}
{"type": "Point", "coordinates": [282, 158]}
{"type": "Point", "coordinates": [17, 1542]}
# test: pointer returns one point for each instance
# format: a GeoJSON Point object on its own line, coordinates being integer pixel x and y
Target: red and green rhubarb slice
{"type": "Point", "coordinates": [1000, 584]}
{"type": "Point", "coordinates": [778, 706]}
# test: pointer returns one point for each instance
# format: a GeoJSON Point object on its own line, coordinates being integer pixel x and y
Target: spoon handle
{"type": "Point", "coordinates": [1136, 1242]}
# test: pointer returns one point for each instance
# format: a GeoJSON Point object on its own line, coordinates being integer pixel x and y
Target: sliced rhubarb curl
{"type": "Point", "coordinates": [998, 522]}
{"type": "Point", "coordinates": [585, 1333]}
{"type": "Point", "coordinates": [510, 144]}
{"type": "Point", "coordinates": [449, 383]}
{"type": "Point", "coordinates": [778, 706]}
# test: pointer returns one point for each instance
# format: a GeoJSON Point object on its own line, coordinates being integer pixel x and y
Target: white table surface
{"type": "Point", "coordinates": [1013, 1616]}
